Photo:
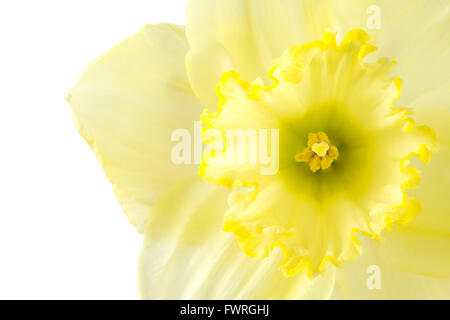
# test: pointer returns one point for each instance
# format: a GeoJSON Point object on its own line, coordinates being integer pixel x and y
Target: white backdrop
{"type": "Point", "coordinates": [62, 233]}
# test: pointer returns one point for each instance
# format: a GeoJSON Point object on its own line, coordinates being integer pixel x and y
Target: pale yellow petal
{"type": "Point", "coordinates": [186, 254]}
{"type": "Point", "coordinates": [246, 36]}
{"type": "Point", "coordinates": [413, 33]}
{"type": "Point", "coordinates": [422, 246]}
{"type": "Point", "coordinates": [433, 107]}
{"type": "Point", "coordinates": [373, 277]}
{"type": "Point", "coordinates": [126, 104]}
{"type": "Point", "coordinates": [434, 189]}
{"type": "Point", "coordinates": [417, 251]}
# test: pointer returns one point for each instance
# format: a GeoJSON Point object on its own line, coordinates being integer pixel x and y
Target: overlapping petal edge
{"type": "Point", "coordinates": [402, 214]}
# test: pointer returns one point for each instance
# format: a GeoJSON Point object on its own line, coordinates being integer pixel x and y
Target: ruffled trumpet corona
{"type": "Point", "coordinates": [313, 216]}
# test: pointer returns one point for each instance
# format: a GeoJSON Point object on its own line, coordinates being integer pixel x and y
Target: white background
{"type": "Point", "coordinates": [62, 233]}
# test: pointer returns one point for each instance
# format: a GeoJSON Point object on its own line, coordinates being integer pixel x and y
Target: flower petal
{"type": "Point", "coordinates": [422, 246]}
{"type": "Point", "coordinates": [434, 189]}
{"type": "Point", "coordinates": [416, 251]}
{"type": "Point", "coordinates": [355, 280]}
{"type": "Point", "coordinates": [414, 33]}
{"type": "Point", "coordinates": [126, 105]}
{"type": "Point", "coordinates": [186, 254]}
{"type": "Point", "coordinates": [246, 36]}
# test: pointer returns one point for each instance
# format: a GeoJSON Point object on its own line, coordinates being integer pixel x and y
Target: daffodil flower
{"type": "Point", "coordinates": [359, 94]}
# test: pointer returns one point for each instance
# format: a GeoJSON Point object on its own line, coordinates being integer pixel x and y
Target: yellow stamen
{"type": "Point", "coordinates": [320, 154]}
